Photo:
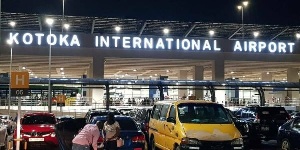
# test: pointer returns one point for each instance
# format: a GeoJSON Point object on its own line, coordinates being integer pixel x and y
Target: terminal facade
{"type": "Point", "coordinates": [104, 56]}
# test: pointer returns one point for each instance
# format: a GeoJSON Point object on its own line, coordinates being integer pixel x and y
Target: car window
{"type": "Point", "coordinates": [38, 120]}
{"type": "Point", "coordinates": [172, 112]}
{"type": "Point", "coordinates": [156, 112]}
{"type": "Point", "coordinates": [125, 124]}
{"type": "Point", "coordinates": [164, 111]}
{"type": "Point", "coordinates": [296, 124]}
{"type": "Point", "coordinates": [3, 117]}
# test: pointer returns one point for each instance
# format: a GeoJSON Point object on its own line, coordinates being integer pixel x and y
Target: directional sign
{"type": "Point", "coordinates": [61, 99]}
{"type": "Point", "coordinates": [19, 83]}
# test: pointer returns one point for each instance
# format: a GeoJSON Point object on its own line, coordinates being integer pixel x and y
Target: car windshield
{"type": "Point", "coordinates": [38, 120]}
{"type": "Point", "coordinates": [3, 117]}
{"type": "Point", "coordinates": [125, 124]}
{"type": "Point", "coordinates": [203, 113]}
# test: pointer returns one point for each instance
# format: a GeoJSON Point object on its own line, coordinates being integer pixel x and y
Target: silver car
{"type": "Point", "coordinates": [9, 123]}
{"type": "Point", "coordinates": [3, 136]}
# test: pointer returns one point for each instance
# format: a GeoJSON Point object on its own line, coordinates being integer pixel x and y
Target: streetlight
{"type": "Point", "coordinates": [166, 31]}
{"type": "Point", "coordinates": [241, 7]}
{"type": "Point", "coordinates": [63, 19]}
{"type": "Point", "coordinates": [66, 26]}
{"type": "Point", "coordinates": [50, 22]}
{"type": "Point", "coordinates": [10, 42]}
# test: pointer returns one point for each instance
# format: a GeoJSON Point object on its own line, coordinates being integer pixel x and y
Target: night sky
{"type": "Point", "coordinates": [282, 12]}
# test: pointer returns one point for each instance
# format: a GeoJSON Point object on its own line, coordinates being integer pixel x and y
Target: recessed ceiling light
{"type": "Point", "coordinates": [243, 76]}
{"type": "Point", "coordinates": [155, 74]}
{"type": "Point", "coordinates": [268, 72]}
{"type": "Point", "coordinates": [61, 68]}
{"type": "Point", "coordinates": [232, 72]}
{"type": "Point", "coordinates": [35, 77]}
{"type": "Point", "coordinates": [150, 76]}
{"type": "Point", "coordinates": [24, 68]}
{"type": "Point", "coordinates": [134, 70]}
{"type": "Point", "coordinates": [168, 70]}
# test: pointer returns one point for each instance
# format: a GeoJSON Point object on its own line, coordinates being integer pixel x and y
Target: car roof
{"type": "Point", "coordinates": [39, 114]}
{"type": "Point", "coordinates": [117, 117]}
{"type": "Point", "coordinates": [176, 102]}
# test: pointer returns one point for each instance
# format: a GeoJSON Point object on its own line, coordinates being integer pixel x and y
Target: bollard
{"type": "Point", "coordinates": [25, 145]}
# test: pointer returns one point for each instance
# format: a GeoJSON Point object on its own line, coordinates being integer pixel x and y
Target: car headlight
{"type": "Point", "coordinates": [246, 128]}
{"type": "Point", "coordinates": [238, 141]}
{"type": "Point", "coordinates": [53, 134]}
{"type": "Point", "coordinates": [190, 141]}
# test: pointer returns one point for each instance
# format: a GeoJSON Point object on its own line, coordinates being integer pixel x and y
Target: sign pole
{"type": "Point", "coordinates": [19, 124]}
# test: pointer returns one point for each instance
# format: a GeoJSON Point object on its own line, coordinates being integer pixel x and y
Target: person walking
{"type": "Point", "coordinates": [112, 132]}
{"type": "Point", "coordinates": [87, 137]}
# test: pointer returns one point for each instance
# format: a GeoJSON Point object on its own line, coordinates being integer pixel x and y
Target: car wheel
{"type": "Point", "coordinates": [153, 147]}
{"type": "Point", "coordinates": [285, 144]}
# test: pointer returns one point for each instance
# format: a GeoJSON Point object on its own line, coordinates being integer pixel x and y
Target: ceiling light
{"type": "Point", "coordinates": [211, 32]}
{"type": "Point", "coordinates": [268, 72]}
{"type": "Point", "coordinates": [32, 74]}
{"type": "Point", "coordinates": [150, 76]}
{"type": "Point", "coordinates": [126, 74]}
{"type": "Point", "coordinates": [233, 78]}
{"type": "Point", "coordinates": [61, 68]}
{"type": "Point", "coordinates": [35, 77]}
{"type": "Point", "coordinates": [49, 21]}
{"type": "Point", "coordinates": [245, 3]}
{"type": "Point", "coordinates": [12, 24]}
{"type": "Point", "coordinates": [232, 72]}
{"type": "Point", "coordinates": [62, 73]}
{"type": "Point", "coordinates": [259, 78]}
{"type": "Point", "coordinates": [168, 70]}
{"type": "Point", "coordinates": [155, 74]}
{"type": "Point", "coordinates": [134, 70]}
{"type": "Point", "coordinates": [243, 76]}
{"type": "Point", "coordinates": [24, 68]}
{"type": "Point", "coordinates": [256, 34]}
{"type": "Point", "coordinates": [241, 80]}
{"type": "Point", "coordinates": [64, 77]}
{"type": "Point", "coordinates": [118, 28]}
{"type": "Point", "coordinates": [67, 26]}
{"type": "Point", "coordinates": [298, 35]}
{"type": "Point", "coordinates": [166, 31]}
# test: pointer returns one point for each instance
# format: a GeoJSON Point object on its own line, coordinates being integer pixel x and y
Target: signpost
{"type": "Point", "coordinates": [19, 83]}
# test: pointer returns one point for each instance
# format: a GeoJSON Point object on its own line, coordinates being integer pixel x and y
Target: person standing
{"type": "Point", "coordinates": [87, 137]}
{"type": "Point", "coordinates": [112, 131]}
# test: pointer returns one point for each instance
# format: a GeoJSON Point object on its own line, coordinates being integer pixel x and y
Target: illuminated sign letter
{"type": "Point", "coordinates": [50, 41]}
{"type": "Point", "coordinates": [136, 42]}
{"type": "Point", "coordinates": [74, 41]}
{"type": "Point", "coordinates": [252, 46]}
{"type": "Point", "coordinates": [281, 47]}
{"type": "Point", "coordinates": [148, 43]}
{"type": "Point", "coordinates": [215, 46]}
{"type": "Point", "coordinates": [237, 46]}
{"type": "Point", "coordinates": [39, 38]}
{"type": "Point", "coordinates": [160, 44]}
{"type": "Point", "coordinates": [169, 41]}
{"type": "Point", "coordinates": [63, 40]}
{"type": "Point", "coordinates": [195, 44]}
{"type": "Point", "coordinates": [126, 42]}
{"type": "Point", "coordinates": [245, 46]}
{"type": "Point", "coordinates": [261, 46]}
{"type": "Point", "coordinates": [291, 45]}
{"type": "Point", "coordinates": [96, 41]}
{"type": "Point", "coordinates": [272, 47]}
{"type": "Point", "coordinates": [177, 44]}
{"type": "Point", "coordinates": [13, 37]}
{"type": "Point", "coordinates": [104, 41]}
{"type": "Point", "coordinates": [27, 38]}
{"type": "Point", "coordinates": [116, 38]}
{"type": "Point", "coordinates": [185, 44]}
{"type": "Point", "coordinates": [206, 45]}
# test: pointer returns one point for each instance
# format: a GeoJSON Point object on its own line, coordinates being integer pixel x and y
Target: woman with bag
{"type": "Point", "coordinates": [112, 132]}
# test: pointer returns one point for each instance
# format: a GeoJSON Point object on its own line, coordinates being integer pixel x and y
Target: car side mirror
{"type": "Point", "coordinates": [171, 119]}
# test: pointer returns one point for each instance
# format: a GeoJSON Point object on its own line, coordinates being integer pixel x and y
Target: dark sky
{"type": "Point", "coordinates": [282, 12]}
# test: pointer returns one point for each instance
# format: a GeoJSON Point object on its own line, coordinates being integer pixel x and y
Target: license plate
{"type": "Point", "coordinates": [36, 139]}
{"type": "Point", "coordinates": [265, 128]}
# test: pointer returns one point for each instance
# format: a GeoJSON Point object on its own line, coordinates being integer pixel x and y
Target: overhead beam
{"type": "Point", "coordinates": [93, 26]}
{"type": "Point", "coordinates": [235, 32]}
{"type": "Point", "coordinates": [142, 29]}
{"type": "Point", "coordinates": [190, 30]}
{"type": "Point", "coordinates": [280, 33]}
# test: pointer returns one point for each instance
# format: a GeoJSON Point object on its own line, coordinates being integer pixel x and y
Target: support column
{"type": "Point", "coordinates": [97, 71]}
{"type": "Point", "coordinates": [267, 76]}
{"type": "Point", "coordinates": [198, 75]}
{"type": "Point", "coordinates": [293, 76]}
{"type": "Point", "coordinates": [218, 70]}
{"type": "Point", "coordinates": [218, 73]}
{"type": "Point", "coordinates": [182, 76]}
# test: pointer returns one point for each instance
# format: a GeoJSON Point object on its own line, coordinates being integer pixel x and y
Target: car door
{"type": "Point", "coordinates": [171, 133]}
{"type": "Point", "coordinates": [295, 133]}
{"type": "Point", "coordinates": [155, 125]}
{"type": "Point", "coordinates": [163, 120]}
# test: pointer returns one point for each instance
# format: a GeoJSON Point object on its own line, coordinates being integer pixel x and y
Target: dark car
{"type": "Point", "coordinates": [242, 125]}
{"type": "Point", "coordinates": [131, 134]}
{"type": "Point", "coordinates": [289, 135]}
{"type": "Point", "coordinates": [263, 122]}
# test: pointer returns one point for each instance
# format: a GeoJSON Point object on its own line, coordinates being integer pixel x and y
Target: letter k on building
{"type": "Point", "coordinates": [19, 80]}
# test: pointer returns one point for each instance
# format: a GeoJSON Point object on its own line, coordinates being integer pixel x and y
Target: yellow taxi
{"type": "Point", "coordinates": [192, 125]}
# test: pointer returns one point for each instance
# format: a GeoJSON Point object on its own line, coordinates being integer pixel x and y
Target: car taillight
{"type": "Point", "coordinates": [139, 138]}
{"type": "Point", "coordinates": [146, 127]}
{"type": "Point", "coordinates": [257, 119]}
{"type": "Point", "coordinates": [100, 140]}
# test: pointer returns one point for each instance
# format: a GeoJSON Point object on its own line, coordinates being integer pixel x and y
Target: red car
{"type": "Point", "coordinates": [38, 130]}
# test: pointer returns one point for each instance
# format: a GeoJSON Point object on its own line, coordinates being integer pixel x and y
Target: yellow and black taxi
{"type": "Point", "coordinates": [192, 124]}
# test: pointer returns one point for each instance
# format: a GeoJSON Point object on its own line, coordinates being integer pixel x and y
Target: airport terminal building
{"type": "Point", "coordinates": [92, 48]}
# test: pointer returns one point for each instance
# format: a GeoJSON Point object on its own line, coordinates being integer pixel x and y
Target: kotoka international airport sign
{"type": "Point", "coordinates": [149, 43]}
